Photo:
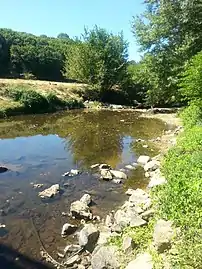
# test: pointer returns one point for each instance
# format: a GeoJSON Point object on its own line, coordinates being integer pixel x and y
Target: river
{"type": "Point", "coordinates": [40, 148]}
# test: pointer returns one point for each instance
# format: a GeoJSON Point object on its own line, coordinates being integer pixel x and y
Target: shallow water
{"type": "Point", "coordinates": [40, 148]}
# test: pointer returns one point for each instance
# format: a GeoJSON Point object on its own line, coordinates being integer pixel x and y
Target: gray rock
{"type": "Point", "coordinates": [117, 181]}
{"type": "Point", "coordinates": [137, 221]}
{"type": "Point", "coordinates": [105, 257]}
{"type": "Point", "coordinates": [148, 214]}
{"type": "Point", "coordinates": [80, 210]}
{"type": "Point", "coordinates": [37, 186]}
{"type": "Point", "coordinates": [156, 179]}
{"type": "Point", "coordinates": [68, 229]}
{"type": "Point", "coordinates": [95, 166]}
{"type": "Point", "coordinates": [50, 192]}
{"type": "Point", "coordinates": [88, 237]}
{"type": "Point", "coordinates": [143, 261]}
{"type": "Point", "coordinates": [143, 159]}
{"type": "Point", "coordinates": [86, 199]}
{"type": "Point", "coordinates": [118, 174]}
{"type": "Point", "coordinates": [151, 165]}
{"type": "Point", "coordinates": [104, 236]}
{"type": "Point", "coordinates": [139, 197]}
{"type": "Point", "coordinates": [72, 248]}
{"type": "Point", "coordinates": [73, 260]}
{"type": "Point", "coordinates": [121, 218]}
{"type": "Point", "coordinates": [130, 167]}
{"type": "Point", "coordinates": [163, 234]}
{"type": "Point", "coordinates": [128, 244]}
{"type": "Point", "coordinates": [106, 174]}
{"type": "Point", "coordinates": [109, 220]}
{"type": "Point", "coordinates": [117, 228]}
{"type": "Point", "coordinates": [81, 266]}
{"type": "Point", "coordinates": [129, 192]}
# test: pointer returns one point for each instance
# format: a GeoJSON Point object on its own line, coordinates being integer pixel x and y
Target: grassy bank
{"type": "Point", "coordinates": [30, 96]}
{"type": "Point", "coordinates": [180, 199]}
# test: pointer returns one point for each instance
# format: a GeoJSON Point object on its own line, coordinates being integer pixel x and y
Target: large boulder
{"type": "Point", "coordinates": [88, 237]}
{"type": "Point", "coordinates": [79, 209]}
{"type": "Point", "coordinates": [143, 159]}
{"type": "Point", "coordinates": [143, 261]}
{"type": "Point", "coordinates": [105, 257]}
{"type": "Point", "coordinates": [163, 234]}
{"type": "Point", "coordinates": [50, 192]}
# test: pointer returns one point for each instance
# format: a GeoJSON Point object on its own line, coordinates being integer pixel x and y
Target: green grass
{"type": "Point", "coordinates": [180, 199]}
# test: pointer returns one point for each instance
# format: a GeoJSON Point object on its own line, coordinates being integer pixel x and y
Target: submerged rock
{"type": "Point", "coordinates": [117, 181]}
{"type": "Point", "coordinates": [163, 234]}
{"type": "Point", "coordinates": [72, 248]}
{"type": "Point", "coordinates": [71, 173]}
{"type": "Point", "coordinates": [93, 166]}
{"type": "Point", "coordinates": [143, 159]}
{"type": "Point", "coordinates": [73, 260]}
{"type": "Point", "coordinates": [50, 192]}
{"type": "Point", "coordinates": [37, 186]}
{"type": "Point", "coordinates": [68, 229]}
{"type": "Point", "coordinates": [105, 257]}
{"type": "Point", "coordinates": [80, 210]}
{"type": "Point", "coordinates": [130, 167]}
{"type": "Point", "coordinates": [143, 261]}
{"type": "Point", "coordinates": [88, 237]}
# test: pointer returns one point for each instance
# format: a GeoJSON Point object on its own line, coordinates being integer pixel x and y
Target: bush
{"type": "Point", "coordinates": [192, 115]}
{"type": "Point", "coordinates": [34, 101]}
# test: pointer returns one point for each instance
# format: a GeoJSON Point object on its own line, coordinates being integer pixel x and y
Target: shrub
{"type": "Point", "coordinates": [192, 115]}
{"type": "Point", "coordinates": [33, 101]}
{"type": "Point", "coordinates": [54, 101]}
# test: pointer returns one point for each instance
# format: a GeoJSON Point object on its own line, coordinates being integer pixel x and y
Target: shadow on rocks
{"type": "Point", "coordinates": [12, 259]}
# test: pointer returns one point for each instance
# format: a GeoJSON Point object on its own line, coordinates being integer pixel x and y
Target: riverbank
{"type": "Point", "coordinates": [18, 96]}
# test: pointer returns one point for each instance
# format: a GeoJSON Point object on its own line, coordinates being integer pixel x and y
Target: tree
{"type": "Point", "coordinates": [169, 33]}
{"type": "Point", "coordinates": [100, 58]}
{"type": "Point", "coordinates": [4, 55]}
{"type": "Point", "coordinates": [63, 36]}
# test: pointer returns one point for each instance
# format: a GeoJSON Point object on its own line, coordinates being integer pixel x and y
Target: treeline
{"type": "Point", "coordinates": [33, 56]}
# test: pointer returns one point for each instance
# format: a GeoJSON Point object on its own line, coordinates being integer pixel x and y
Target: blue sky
{"type": "Point", "coordinates": [52, 17]}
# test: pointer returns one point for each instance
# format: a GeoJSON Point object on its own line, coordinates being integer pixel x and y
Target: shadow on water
{"type": "Point", "coordinates": [12, 259]}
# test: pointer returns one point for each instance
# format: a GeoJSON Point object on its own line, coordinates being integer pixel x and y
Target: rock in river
{"type": "Point", "coordinates": [86, 199]}
{"type": "Point", "coordinates": [106, 174]}
{"type": "Point", "coordinates": [143, 159]}
{"type": "Point", "coordinates": [68, 229]}
{"type": "Point", "coordinates": [118, 174]}
{"type": "Point", "coordinates": [50, 192]}
{"type": "Point", "coordinates": [88, 237]}
{"type": "Point", "coordinates": [80, 210]}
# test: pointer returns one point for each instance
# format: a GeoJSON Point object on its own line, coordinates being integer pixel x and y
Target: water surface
{"type": "Point", "coordinates": [40, 148]}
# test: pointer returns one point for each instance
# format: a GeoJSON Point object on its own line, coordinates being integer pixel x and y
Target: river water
{"type": "Point", "coordinates": [40, 148]}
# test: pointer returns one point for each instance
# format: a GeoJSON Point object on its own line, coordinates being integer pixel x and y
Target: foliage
{"type": "Point", "coordinates": [192, 115]}
{"type": "Point", "coordinates": [181, 198]}
{"type": "Point", "coordinates": [100, 59]}
{"type": "Point", "coordinates": [169, 34]}
{"type": "Point", "coordinates": [191, 81]}
{"type": "Point", "coordinates": [41, 56]}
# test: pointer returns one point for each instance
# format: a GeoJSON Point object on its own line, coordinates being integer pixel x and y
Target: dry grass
{"type": "Point", "coordinates": [61, 89]}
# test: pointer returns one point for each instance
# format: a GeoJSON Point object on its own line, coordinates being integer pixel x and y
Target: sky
{"type": "Point", "coordinates": [51, 17]}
